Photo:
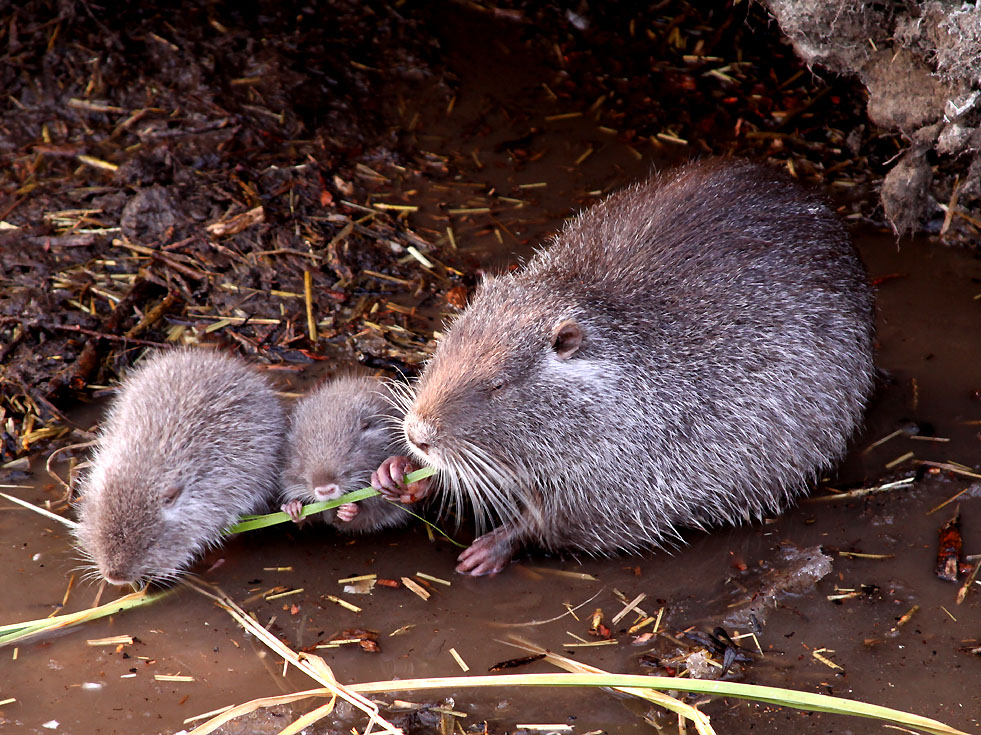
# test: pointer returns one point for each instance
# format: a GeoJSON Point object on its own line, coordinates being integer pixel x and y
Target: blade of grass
{"type": "Point", "coordinates": [251, 523]}
{"type": "Point", "coordinates": [655, 697]}
{"type": "Point", "coordinates": [313, 666]}
{"type": "Point", "coordinates": [243, 709]}
{"type": "Point", "coordinates": [37, 509]}
{"type": "Point", "coordinates": [755, 692]}
{"type": "Point", "coordinates": [16, 632]}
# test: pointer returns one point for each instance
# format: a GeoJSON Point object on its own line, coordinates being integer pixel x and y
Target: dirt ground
{"type": "Point", "coordinates": [180, 173]}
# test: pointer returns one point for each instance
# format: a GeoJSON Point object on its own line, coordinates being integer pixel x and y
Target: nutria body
{"type": "Point", "coordinates": [192, 441]}
{"type": "Point", "coordinates": [693, 350]}
{"type": "Point", "coordinates": [339, 434]}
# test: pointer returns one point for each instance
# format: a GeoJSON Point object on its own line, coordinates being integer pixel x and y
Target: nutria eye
{"type": "Point", "coordinates": [496, 385]}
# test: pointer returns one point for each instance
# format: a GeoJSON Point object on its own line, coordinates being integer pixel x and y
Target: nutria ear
{"type": "Point", "coordinates": [171, 493]}
{"type": "Point", "coordinates": [566, 338]}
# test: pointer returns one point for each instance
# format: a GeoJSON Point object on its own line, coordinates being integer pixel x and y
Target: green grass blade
{"type": "Point", "coordinates": [251, 523]}
{"type": "Point", "coordinates": [755, 692]}
{"type": "Point", "coordinates": [16, 632]}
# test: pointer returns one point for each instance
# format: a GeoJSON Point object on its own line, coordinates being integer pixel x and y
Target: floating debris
{"type": "Point", "coordinates": [949, 550]}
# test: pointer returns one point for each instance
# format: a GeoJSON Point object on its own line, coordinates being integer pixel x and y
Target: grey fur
{"type": "Point", "coordinates": [726, 358]}
{"type": "Point", "coordinates": [195, 419]}
{"type": "Point", "coordinates": [339, 433]}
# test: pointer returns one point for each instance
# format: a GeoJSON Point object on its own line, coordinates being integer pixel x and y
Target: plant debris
{"type": "Point", "coordinates": [949, 549]}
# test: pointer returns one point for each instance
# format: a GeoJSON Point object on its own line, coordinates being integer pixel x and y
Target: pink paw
{"type": "Point", "coordinates": [389, 480]}
{"type": "Point", "coordinates": [487, 555]}
{"type": "Point", "coordinates": [347, 512]}
{"type": "Point", "coordinates": [293, 509]}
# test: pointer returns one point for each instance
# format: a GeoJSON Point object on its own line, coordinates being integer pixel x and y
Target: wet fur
{"type": "Point", "coordinates": [195, 419]}
{"type": "Point", "coordinates": [726, 358]}
{"type": "Point", "coordinates": [340, 432]}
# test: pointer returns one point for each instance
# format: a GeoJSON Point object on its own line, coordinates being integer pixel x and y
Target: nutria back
{"type": "Point", "coordinates": [693, 350]}
{"type": "Point", "coordinates": [192, 441]}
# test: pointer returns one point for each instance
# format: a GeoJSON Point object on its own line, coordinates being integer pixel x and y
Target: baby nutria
{"type": "Point", "coordinates": [192, 441]}
{"type": "Point", "coordinates": [691, 351]}
{"type": "Point", "coordinates": [339, 433]}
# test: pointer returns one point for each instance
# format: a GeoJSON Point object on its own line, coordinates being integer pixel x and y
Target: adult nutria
{"type": "Point", "coordinates": [192, 441]}
{"type": "Point", "coordinates": [338, 434]}
{"type": "Point", "coordinates": [693, 350]}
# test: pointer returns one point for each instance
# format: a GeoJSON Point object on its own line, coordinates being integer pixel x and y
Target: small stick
{"type": "Point", "coordinates": [899, 460]}
{"type": "Point", "coordinates": [883, 440]}
{"type": "Point", "coordinates": [287, 593]}
{"type": "Point", "coordinates": [433, 579]}
{"type": "Point", "coordinates": [456, 656]}
{"type": "Point", "coordinates": [116, 640]}
{"type": "Point", "coordinates": [949, 209]}
{"type": "Point", "coordinates": [962, 592]}
{"type": "Point", "coordinates": [343, 603]}
{"type": "Point", "coordinates": [905, 618]}
{"type": "Point", "coordinates": [64, 600]}
{"type": "Point", "coordinates": [630, 606]}
{"type": "Point", "coordinates": [153, 315]}
{"type": "Point", "coordinates": [37, 509]}
{"type": "Point", "coordinates": [416, 587]}
{"type": "Point", "coordinates": [110, 337]}
{"type": "Point", "coordinates": [862, 491]}
{"type": "Point", "coordinates": [308, 297]}
{"type": "Point", "coordinates": [825, 660]}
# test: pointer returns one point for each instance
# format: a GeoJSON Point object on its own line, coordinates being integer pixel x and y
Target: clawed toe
{"type": "Point", "coordinates": [488, 555]}
{"type": "Point", "coordinates": [347, 512]}
{"type": "Point", "coordinates": [293, 509]}
{"type": "Point", "coordinates": [389, 480]}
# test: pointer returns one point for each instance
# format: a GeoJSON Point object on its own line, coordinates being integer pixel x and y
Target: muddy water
{"type": "Point", "coordinates": [500, 135]}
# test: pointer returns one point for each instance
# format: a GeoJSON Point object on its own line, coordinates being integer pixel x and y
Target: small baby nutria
{"type": "Point", "coordinates": [339, 433]}
{"type": "Point", "coordinates": [693, 350]}
{"type": "Point", "coordinates": [192, 441]}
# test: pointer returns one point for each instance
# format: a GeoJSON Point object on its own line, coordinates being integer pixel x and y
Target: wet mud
{"type": "Point", "coordinates": [846, 635]}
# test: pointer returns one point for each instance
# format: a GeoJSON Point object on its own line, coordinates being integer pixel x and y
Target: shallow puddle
{"type": "Point", "coordinates": [929, 322]}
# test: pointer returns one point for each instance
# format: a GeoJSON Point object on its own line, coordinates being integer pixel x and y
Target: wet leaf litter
{"type": "Point", "coordinates": [271, 279]}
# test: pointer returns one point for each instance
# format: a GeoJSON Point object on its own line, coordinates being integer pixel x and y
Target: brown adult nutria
{"type": "Point", "coordinates": [339, 433]}
{"type": "Point", "coordinates": [693, 350]}
{"type": "Point", "coordinates": [192, 441]}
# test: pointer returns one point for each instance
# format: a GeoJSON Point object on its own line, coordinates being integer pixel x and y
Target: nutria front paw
{"type": "Point", "coordinates": [487, 555]}
{"type": "Point", "coordinates": [293, 510]}
{"type": "Point", "coordinates": [347, 512]}
{"type": "Point", "coordinates": [389, 480]}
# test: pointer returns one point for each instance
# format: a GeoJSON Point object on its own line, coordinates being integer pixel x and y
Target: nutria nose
{"type": "Point", "coordinates": [420, 434]}
{"type": "Point", "coordinates": [328, 491]}
{"type": "Point", "coordinates": [118, 577]}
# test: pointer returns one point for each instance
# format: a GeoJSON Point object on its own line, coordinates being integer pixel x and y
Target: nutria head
{"type": "Point", "coordinates": [339, 433]}
{"type": "Point", "coordinates": [510, 372]}
{"type": "Point", "coordinates": [192, 441]}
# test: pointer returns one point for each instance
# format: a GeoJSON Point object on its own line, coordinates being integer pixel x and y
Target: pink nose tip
{"type": "Point", "coordinates": [118, 577]}
{"type": "Point", "coordinates": [420, 434]}
{"type": "Point", "coordinates": [328, 492]}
